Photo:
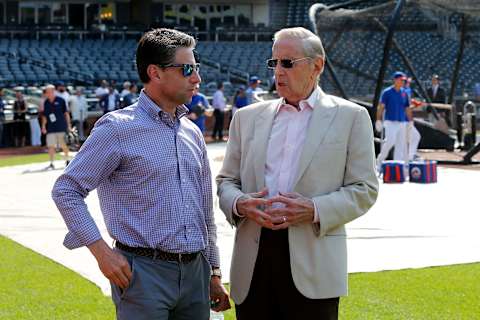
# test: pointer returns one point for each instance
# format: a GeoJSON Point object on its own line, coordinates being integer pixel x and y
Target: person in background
{"type": "Point", "coordinates": [219, 105]}
{"type": "Point", "coordinates": [150, 166]}
{"type": "Point", "coordinates": [131, 97]}
{"type": "Point", "coordinates": [254, 86]}
{"type": "Point", "coordinates": [197, 108]}
{"type": "Point", "coordinates": [55, 123]}
{"type": "Point", "coordinates": [391, 116]}
{"type": "Point", "coordinates": [113, 100]}
{"type": "Point", "coordinates": [19, 116]}
{"type": "Point", "coordinates": [126, 89]}
{"type": "Point", "coordinates": [79, 111]}
{"type": "Point", "coordinates": [102, 95]}
{"type": "Point", "coordinates": [2, 116]}
{"type": "Point", "coordinates": [35, 131]}
{"type": "Point", "coordinates": [62, 92]}
{"type": "Point", "coordinates": [413, 135]}
{"type": "Point", "coordinates": [438, 94]}
{"type": "Point", "coordinates": [240, 99]}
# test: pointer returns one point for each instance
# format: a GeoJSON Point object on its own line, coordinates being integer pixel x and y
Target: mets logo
{"type": "Point", "coordinates": [416, 173]}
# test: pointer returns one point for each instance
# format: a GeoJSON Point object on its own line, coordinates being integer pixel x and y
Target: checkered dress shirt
{"type": "Point", "coordinates": [153, 179]}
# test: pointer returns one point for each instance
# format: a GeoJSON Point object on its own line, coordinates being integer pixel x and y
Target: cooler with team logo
{"type": "Point", "coordinates": [393, 171]}
{"type": "Point", "coordinates": [423, 171]}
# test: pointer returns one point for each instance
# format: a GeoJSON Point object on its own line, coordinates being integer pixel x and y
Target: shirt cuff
{"type": "Point", "coordinates": [316, 215]}
{"type": "Point", "coordinates": [234, 209]}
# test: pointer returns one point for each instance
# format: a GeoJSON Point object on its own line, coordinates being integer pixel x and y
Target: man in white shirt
{"type": "Point", "coordinates": [112, 100]}
{"type": "Point", "coordinates": [218, 104]}
{"type": "Point", "coordinates": [126, 89]}
{"type": "Point", "coordinates": [79, 110]}
{"type": "Point", "coordinates": [253, 87]}
{"type": "Point", "coordinates": [102, 93]}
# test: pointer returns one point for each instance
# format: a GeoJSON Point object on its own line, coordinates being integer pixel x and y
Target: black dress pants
{"type": "Point", "coordinates": [218, 126]}
{"type": "Point", "coordinates": [272, 294]}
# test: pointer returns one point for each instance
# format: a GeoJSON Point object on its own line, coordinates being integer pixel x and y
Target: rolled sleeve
{"type": "Point", "coordinates": [96, 160]}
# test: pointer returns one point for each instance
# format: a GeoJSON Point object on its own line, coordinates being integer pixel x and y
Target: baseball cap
{"type": "Point", "coordinates": [254, 79]}
{"type": "Point", "coordinates": [399, 74]}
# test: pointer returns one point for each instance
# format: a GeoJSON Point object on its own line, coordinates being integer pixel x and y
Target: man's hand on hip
{"type": "Point", "coordinates": [113, 265]}
{"type": "Point", "coordinates": [219, 295]}
{"type": "Point", "coordinates": [251, 206]}
{"type": "Point", "coordinates": [296, 209]}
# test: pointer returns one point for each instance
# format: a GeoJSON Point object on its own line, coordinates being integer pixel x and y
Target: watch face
{"type": "Point", "coordinates": [216, 272]}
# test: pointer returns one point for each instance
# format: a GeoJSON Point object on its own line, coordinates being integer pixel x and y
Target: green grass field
{"type": "Point", "coordinates": [34, 287]}
{"type": "Point", "coordinates": [31, 158]}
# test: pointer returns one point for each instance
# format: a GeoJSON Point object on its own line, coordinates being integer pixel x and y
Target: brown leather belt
{"type": "Point", "coordinates": [158, 254]}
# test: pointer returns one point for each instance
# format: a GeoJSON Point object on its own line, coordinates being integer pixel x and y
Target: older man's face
{"type": "Point", "coordinates": [296, 83]}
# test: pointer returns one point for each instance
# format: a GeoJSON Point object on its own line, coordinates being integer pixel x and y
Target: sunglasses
{"type": "Point", "coordinates": [285, 63]}
{"type": "Point", "coordinates": [187, 69]}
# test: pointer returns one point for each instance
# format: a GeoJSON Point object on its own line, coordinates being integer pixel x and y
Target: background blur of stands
{"type": "Point", "coordinates": [84, 42]}
{"type": "Point", "coordinates": [81, 43]}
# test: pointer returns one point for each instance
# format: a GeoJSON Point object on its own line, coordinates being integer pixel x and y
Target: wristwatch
{"type": "Point", "coordinates": [216, 272]}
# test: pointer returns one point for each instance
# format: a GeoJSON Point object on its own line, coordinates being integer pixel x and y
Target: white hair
{"type": "Point", "coordinates": [49, 86]}
{"type": "Point", "coordinates": [311, 43]}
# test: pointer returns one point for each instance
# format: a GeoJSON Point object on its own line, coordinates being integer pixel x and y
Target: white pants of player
{"type": "Point", "coordinates": [395, 135]}
{"type": "Point", "coordinates": [413, 140]}
{"type": "Point", "coordinates": [35, 132]}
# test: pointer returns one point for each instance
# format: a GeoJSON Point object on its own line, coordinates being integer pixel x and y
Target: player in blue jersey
{"type": "Point", "coordinates": [391, 116]}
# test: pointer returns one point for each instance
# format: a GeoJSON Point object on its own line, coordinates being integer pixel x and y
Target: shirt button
{"type": "Point", "coordinates": [186, 206]}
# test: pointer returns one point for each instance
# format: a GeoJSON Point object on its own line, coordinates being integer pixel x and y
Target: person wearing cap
{"type": "Point", "coordinates": [253, 86]}
{"type": "Point", "coordinates": [296, 170]}
{"type": "Point", "coordinates": [197, 108]}
{"type": "Point", "coordinates": [150, 167]}
{"type": "Point", "coordinates": [240, 99]}
{"type": "Point", "coordinates": [392, 116]}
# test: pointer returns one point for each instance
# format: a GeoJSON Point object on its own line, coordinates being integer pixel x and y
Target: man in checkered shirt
{"type": "Point", "coordinates": [149, 165]}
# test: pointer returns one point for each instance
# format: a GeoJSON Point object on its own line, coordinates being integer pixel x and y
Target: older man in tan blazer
{"type": "Point", "coordinates": [296, 170]}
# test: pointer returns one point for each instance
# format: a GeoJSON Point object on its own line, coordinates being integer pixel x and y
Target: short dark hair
{"type": "Point", "coordinates": [158, 46]}
{"type": "Point", "coordinates": [220, 85]}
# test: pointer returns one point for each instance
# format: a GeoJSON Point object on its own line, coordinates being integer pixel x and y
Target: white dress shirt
{"type": "Point", "coordinates": [218, 101]}
{"type": "Point", "coordinates": [285, 145]}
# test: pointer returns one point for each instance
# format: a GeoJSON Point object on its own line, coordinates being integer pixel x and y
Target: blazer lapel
{"type": "Point", "coordinates": [263, 127]}
{"type": "Point", "coordinates": [322, 117]}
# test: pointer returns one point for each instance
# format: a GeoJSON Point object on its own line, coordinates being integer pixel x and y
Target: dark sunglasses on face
{"type": "Point", "coordinates": [187, 69]}
{"type": "Point", "coordinates": [285, 63]}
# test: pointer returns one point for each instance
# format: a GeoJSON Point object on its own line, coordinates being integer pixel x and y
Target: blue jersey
{"type": "Point", "coordinates": [198, 99]}
{"type": "Point", "coordinates": [395, 103]}
{"type": "Point", "coordinates": [409, 92]}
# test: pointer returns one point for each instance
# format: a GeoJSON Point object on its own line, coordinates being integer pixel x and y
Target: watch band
{"type": "Point", "coordinates": [216, 272]}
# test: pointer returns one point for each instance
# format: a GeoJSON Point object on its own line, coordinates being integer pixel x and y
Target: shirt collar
{"type": "Point", "coordinates": [311, 101]}
{"type": "Point", "coordinates": [155, 111]}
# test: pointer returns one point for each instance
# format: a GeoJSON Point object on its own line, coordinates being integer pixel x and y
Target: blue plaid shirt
{"type": "Point", "coordinates": [153, 179]}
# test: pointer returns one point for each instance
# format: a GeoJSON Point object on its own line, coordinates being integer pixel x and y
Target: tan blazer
{"type": "Point", "coordinates": [336, 170]}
